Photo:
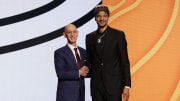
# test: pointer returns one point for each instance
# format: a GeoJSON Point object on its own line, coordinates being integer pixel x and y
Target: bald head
{"type": "Point", "coordinates": [69, 26]}
{"type": "Point", "coordinates": [71, 33]}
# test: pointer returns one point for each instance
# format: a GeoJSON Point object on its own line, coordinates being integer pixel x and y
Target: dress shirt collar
{"type": "Point", "coordinates": [71, 46]}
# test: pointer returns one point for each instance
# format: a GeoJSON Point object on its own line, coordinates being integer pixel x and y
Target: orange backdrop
{"type": "Point", "coordinates": [152, 30]}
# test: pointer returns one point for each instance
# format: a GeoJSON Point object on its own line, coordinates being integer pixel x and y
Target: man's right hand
{"type": "Point", "coordinates": [84, 71]}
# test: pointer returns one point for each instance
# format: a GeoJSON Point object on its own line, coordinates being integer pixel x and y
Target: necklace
{"type": "Point", "coordinates": [99, 39]}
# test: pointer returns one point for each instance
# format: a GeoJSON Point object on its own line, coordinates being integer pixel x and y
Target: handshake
{"type": "Point", "coordinates": [84, 71]}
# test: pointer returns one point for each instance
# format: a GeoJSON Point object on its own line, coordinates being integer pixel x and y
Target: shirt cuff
{"type": "Point", "coordinates": [127, 87]}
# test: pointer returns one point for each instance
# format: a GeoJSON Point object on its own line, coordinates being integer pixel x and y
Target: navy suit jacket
{"type": "Point", "coordinates": [71, 86]}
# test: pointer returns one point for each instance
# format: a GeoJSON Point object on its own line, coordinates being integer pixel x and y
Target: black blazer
{"type": "Point", "coordinates": [109, 61]}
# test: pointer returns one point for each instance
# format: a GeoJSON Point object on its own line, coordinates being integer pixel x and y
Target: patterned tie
{"type": "Point", "coordinates": [77, 58]}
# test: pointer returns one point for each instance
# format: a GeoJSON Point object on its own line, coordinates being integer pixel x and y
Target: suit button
{"type": "Point", "coordinates": [101, 64]}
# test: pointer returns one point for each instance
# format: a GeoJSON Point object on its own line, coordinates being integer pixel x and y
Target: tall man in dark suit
{"type": "Point", "coordinates": [107, 59]}
{"type": "Point", "coordinates": [69, 64]}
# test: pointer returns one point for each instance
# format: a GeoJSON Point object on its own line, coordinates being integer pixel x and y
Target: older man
{"type": "Point", "coordinates": [69, 64]}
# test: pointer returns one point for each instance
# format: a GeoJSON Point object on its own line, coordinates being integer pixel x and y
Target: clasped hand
{"type": "Point", "coordinates": [84, 71]}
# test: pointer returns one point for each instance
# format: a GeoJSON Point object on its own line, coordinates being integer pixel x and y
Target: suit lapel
{"type": "Point", "coordinates": [83, 59]}
{"type": "Point", "coordinates": [96, 46]}
{"type": "Point", "coordinates": [70, 55]}
{"type": "Point", "coordinates": [95, 43]}
{"type": "Point", "coordinates": [106, 42]}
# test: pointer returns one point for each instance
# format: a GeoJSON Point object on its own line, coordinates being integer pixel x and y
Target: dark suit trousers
{"type": "Point", "coordinates": [102, 95]}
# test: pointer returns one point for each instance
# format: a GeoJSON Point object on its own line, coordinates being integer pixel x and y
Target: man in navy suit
{"type": "Point", "coordinates": [107, 58]}
{"type": "Point", "coordinates": [70, 68]}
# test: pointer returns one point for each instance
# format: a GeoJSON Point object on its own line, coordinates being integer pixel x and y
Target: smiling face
{"type": "Point", "coordinates": [102, 19]}
{"type": "Point", "coordinates": [71, 33]}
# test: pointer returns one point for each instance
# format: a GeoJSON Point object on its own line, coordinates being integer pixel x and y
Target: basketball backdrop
{"type": "Point", "coordinates": [152, 32]}
{"type": "Point", "coordinates": [31, 30]}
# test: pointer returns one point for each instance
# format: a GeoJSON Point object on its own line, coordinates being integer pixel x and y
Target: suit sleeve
{"type": "Point", "coordinates": [125, 60]}
{"type": "Point", "coordinates": [88, 59]}
{"type": "Point", "coordinates": [63, 69]}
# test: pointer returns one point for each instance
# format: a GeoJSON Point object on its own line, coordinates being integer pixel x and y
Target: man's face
{"type": "Point", "coordinates": [102, 19]}
{"type": "Point", "coordinates": [71, 34]}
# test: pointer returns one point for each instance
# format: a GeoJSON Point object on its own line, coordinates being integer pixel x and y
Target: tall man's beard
{"type": "Point", "coordinates": [102, 26]}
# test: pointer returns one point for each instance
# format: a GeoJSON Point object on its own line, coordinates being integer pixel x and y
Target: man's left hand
{"type": "Point", "coordinates": [126, 94]}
